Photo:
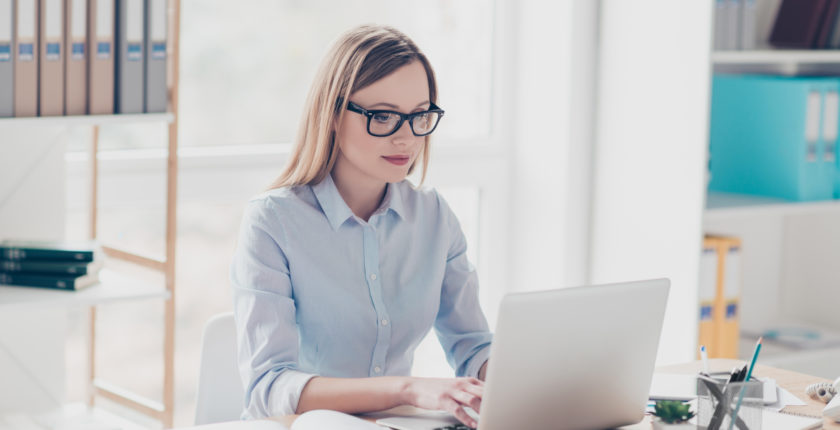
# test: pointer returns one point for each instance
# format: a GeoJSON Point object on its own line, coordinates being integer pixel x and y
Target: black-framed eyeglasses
{"type": "Point", "coordinates": [381, 123]}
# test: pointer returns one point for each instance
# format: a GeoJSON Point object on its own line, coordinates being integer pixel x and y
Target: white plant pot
{"type": "Point", "coordinates": [660, 425]}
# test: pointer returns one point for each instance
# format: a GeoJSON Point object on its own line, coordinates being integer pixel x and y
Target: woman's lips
{"type": "Point", "coordinates": [399, 160]}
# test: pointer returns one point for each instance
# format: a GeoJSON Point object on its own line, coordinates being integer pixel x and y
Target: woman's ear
{"type": "Point", "coordinates": [336, 121]}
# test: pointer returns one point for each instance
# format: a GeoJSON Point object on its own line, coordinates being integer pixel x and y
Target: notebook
{"type": "Point", "coordinates": [772, 420]}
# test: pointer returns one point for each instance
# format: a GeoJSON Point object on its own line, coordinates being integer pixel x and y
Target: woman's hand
{"type": "Point", "coordinates": [450, 394]}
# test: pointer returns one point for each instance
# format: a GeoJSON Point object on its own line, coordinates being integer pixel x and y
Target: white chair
{"type": "Point", "coordinates": [220, 393]}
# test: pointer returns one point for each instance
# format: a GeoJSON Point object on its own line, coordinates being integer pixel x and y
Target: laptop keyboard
{"type": "Point", "coordinates": [455, 427]}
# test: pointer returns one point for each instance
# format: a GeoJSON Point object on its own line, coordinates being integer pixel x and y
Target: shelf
{"type": "Point", "coordinates": [722, 206]}
{"type": "Point", "coordinates": [113, 287]}
{"type": "Point", "coordinates": [41, 121]}
{"type": "Point", "coordinates": [779, 56]}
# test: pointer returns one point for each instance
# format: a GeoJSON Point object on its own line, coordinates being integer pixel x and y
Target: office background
{"type": "Point", "coordinates": [573, 152]}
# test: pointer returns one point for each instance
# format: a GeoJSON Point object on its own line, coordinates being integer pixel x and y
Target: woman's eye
{"type": "Point", "coordinates": [382, 117]}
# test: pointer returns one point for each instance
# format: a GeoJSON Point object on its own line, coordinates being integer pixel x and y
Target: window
{"type": "Point", "coordinates": [245, 70]}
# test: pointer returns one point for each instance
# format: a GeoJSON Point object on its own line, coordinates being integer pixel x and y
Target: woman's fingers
{"type": "Point", "coordinates": [459, 412]}
{"type": "Point", "coordinates": [477, 390]}
{"type": "Point", "coordinates": [468, 399]}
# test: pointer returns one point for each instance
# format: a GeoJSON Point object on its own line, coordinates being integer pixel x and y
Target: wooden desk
{"type": "Point", "coordinates": [791, 381]}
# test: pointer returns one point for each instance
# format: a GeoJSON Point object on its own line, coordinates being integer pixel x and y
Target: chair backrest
{"type": "Point", "coordinates": [220, 393]}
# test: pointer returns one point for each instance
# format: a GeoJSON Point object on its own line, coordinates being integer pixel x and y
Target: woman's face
{"type": "Point", "coordinates": [371, 160]}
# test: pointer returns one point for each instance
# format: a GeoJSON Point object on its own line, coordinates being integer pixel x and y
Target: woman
{"type": "Point", "coordinates": [343, 267]}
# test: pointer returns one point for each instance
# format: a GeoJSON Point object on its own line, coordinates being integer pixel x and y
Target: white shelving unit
{"type": "Point", "coordinates": [724, 206]}
{"type": "Point", "coordinates": [113, 287]}
{"type": "Point", "coordinates": [776, 57]}
{"type": "Point", "coordinates": [788, 247]}
{"type": "Point", "coordinates": [32, 203]}
{"type": "Point", "coordinates": [88, 120]}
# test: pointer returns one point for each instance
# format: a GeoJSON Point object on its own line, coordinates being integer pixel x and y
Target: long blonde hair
{"type": "Point", "coordinates": [358, 58]}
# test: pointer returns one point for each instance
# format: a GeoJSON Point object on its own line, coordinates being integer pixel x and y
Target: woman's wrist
{"type": "Point", "coordinates": [405, 390]}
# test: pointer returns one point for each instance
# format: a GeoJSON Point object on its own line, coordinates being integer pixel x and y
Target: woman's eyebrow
{"type": "Point", "coordinates": [395, 107]}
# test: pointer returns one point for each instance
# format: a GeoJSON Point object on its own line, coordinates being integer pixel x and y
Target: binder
{"type": "Point", "coordinates": [721, 25]}
{"type": "Point", "coordinates": [51, 93]}
{"type": "Point", "coordinates": [101, 57]}
{"type": "Point", "coordinates": [797, 23]}
{"type": "Point", "coordinates": [827, 24]}
{"type": "Point", "coordinates": [26, 58]}
{"type": "Point", "coordinates": [733, 20]}
{"type": "Point", "coordinates": [156, 28]}
{"type": "Point", "coordinates": [831, 116]}
{"type": "Point", "coordinates": [7, 68]}
{"type": "Point", "coordinates": [834, 39]}
{"type": "Point", "coordinates": [748, 16]}
{"type": "Point", "coordinates": [708, 326]}
{"type": "Point", "coordinates": [730, 328]}
{"type": "Point", "coordinates": [75, 58]}
{"type": "Point", "coordinates": [720, 290]}
{"type": "Point", "coordinates": [765, 137]}
{"type": "Point", "coordinates": [130, 90]}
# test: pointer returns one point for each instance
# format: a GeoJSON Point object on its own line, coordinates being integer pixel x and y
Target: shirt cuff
{"type": "Point", "coordinates": [286, 390]}
{"type": "Point", "coordinates": [477, 361]}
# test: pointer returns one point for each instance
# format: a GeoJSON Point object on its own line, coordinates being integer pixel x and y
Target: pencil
{"type": "Point", "coordinates": [754, 357]}
{"type": "Point", "coordinates": [705, 358]}
{"type": "Point", "coordinates": [747, 379]}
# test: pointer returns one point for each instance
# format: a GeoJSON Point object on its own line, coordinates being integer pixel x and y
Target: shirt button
{"type": "Point", "coordinates": [373, 276]}
{"type": "Point", "coordinates": [377, 369]}
{"type": "Point", "coordinates": [384, 322]}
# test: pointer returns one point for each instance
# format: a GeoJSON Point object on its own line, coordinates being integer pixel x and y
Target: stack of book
{"type": "Point", "coordinates": [59, 265]}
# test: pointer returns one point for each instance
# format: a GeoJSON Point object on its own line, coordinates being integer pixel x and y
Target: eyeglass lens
{"type": "Point", "coordinates": [383, 123]}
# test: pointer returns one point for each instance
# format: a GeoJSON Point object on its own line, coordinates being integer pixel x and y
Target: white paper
{"type": "Point", "coordinates": [158, 17]}
{"type": "Point", "coordinates": [52, 20]}
{"type": "Point", "coordinates": [6, 20]}
{"type": "Point", "coordinates": [78, 21]}
{"type": "Point", "coordinates": [781, 421]}
{"type": "Point", "coordinates": [323, 419]}
{"type": "Point", "coordinates": [785, 399]}
{"type": "Point", "coordinates": [26, 19]}
{"type": "Point", "coordinates": [104, 19]}
{"type": "Point", "coordinates": [134, 21]}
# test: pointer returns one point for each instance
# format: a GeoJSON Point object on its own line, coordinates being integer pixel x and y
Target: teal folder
{"type": "Point", "coordinates": [766, 137]}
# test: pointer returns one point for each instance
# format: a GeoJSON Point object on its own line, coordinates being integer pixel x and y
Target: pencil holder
{"type": "Point", "coordinates": [718, 401]}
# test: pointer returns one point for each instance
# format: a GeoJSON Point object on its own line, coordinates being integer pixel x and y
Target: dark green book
{"type": "Point", "coordinates": [48, 281]}
{"type": "Point", "coordinates": [34, 267]}
{"type": "Point", "coordinates": [24, 250]}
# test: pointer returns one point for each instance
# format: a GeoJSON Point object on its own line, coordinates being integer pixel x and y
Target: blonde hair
{"type": "Point", "coordinates": [358, 58]}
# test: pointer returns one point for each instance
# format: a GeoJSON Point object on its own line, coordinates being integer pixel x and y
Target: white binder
{"type": "Point", "coordinates": [7, 67]}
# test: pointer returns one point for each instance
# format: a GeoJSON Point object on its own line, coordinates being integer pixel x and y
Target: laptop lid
{"type": "Point", "coordinates": [574, 358]}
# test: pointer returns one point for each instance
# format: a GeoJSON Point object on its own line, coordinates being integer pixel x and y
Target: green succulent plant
{"type": "Point", "coordinates": [672, 411]}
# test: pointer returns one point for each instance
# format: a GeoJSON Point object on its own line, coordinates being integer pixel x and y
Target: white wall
{"type": "Point", "coordinates": [652, 114]}
{"type": "Point", "coordinates": [31, 207]}
{"type": "Point", "coordinates": [551, 151]}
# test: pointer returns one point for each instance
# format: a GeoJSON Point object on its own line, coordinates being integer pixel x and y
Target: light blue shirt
{"type": "Point", "coordinates": [319, 291]}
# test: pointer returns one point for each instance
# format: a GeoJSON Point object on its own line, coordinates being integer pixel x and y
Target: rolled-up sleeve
{"type": "Point", "coordinates": [460, 324]}
{"type": "Point", "coordinates": [264, 311]}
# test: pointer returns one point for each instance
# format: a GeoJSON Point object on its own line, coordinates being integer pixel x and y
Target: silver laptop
{"type": "Point", "coordinates": [572, 358]}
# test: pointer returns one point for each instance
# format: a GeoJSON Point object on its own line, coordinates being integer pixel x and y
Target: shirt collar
{"type": "Point", "coordinates": [393, 200]}
{"type": "Point", "coordinates": [336, 209]}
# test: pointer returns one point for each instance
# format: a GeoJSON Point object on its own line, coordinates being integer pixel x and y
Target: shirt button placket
{"type": "Point", "coordinates": [383, 331]}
